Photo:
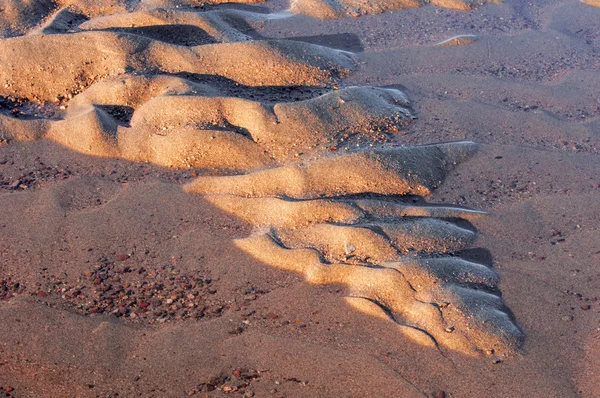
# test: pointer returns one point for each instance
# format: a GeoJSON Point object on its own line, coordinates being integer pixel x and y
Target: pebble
{"type": "Point", "coordinates": [135, 294]}
{"type": "Point", "coordinates": [122, 257]}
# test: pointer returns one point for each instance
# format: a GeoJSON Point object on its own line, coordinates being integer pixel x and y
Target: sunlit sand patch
{"type": "Point", "coordinates": [459, 314]}
{"type": "Point", "coordinates": [392, 171]}
{"type": "Point", "coordinates": [96, 55]}
{"type": "Point", "coordinates": [595, 3]}
{"type": "Point", "coordinates": [397, 257]}
{"type": "Point", "coordinates": [175, 122]}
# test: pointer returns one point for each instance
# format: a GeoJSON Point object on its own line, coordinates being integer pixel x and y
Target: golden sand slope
{"type": "Point", "coordinates": [175, 122]}
{"type": "Point", "coordinates": [387, 251]}
{"type": "Point", "coordinates": [355, 8]}
{"type": "Point", "coordinates": [591, 2]}
{"type": "Point", "coordinates": [34, 66]}
{"type": "Point", "coordinates": [394, 171]}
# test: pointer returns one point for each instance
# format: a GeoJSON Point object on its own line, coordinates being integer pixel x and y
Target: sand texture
{"type": "Point", "coordinates": [356, 8]}
{"type": "Point", "coordinates": [279, 199]}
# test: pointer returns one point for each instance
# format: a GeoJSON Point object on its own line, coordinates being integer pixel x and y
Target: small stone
{"type": "Point", "coordinates": [15, 184]}
{"type": "Point", "coordinates": [450, 329]}
{"type": "Point", "coordinates": [272, 316]}
{"type": "Point", "coordinates": [496, 361]}
{"type": "Point", "coordinates": [586, 307]}
{"type": "Point", "coordinates": [441, 394]}
{"type": "Point", "coordinates": [567, 318]}
{"type": "Point", "coordinates": [42, 294]}
{"type": "Point", "coordinates": [122, 257]}
{"type": "Point", "coordinates": [349, 248]}
{"type": "Point", "coordinates": [238, 330]}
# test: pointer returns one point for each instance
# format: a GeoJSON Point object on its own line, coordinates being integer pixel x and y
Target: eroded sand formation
{"type": "Point", "coordinates": [174, 122]}
{"type": "Point", "coordinates": [344, 219]}
{"type": "Point", "coordinates": [397, 259]}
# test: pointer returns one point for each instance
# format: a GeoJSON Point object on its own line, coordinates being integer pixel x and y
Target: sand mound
{"type": "Point", "coordinates": [35, 68]}
{"type": "Point", "coordinates": [440, 302]}
{"type": "Point", "coordinates": [356, 8]}
{"type": "Point", "coordinates": [287, 213]}
{"type": "Point", "coordinates": [175, 122]}
{"type": "Point", "coordinates": [20, 16]}
{"type": "Point", "coordinates": [396, 171]}
{"type": "Point", "coordinates": [210, 26]}
{"type": "Point", "coordinates": [387, 251]}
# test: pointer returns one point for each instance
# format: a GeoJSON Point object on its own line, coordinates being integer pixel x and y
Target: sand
{"type": "Point", "coordinates": [299, 198]}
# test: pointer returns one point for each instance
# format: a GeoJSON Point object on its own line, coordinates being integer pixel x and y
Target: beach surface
{"type": "Point", "coordinates": [321, 198]}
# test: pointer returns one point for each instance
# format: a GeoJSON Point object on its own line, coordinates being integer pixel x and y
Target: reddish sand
{"type": "Point", "coordinates": [119, 276]}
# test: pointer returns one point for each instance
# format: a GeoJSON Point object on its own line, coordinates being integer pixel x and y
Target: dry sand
{"type": "Point", "coordinates": [204, 199]}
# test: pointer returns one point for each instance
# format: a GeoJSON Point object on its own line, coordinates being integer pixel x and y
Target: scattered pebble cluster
{"type": "Point", "coordinates": [33, 178]}
{"type": "Point", "coordinates": [24, 108]}
{"type": "Point", "coordinates": [7, 391]}
{"type": "Point", "coordinates": [137, 294]}
{"type": "Point", "coordinates": [236, 382]}
{"type": "Point", "coordinates": [9, 288]}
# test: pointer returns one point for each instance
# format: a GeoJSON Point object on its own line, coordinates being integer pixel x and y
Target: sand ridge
{"type": "Point", "coordinates": [382, 250]}
{"type": "Point", "coordinates": [98, 54]}
{"type": "Point", "coordinates": [175, 122]}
